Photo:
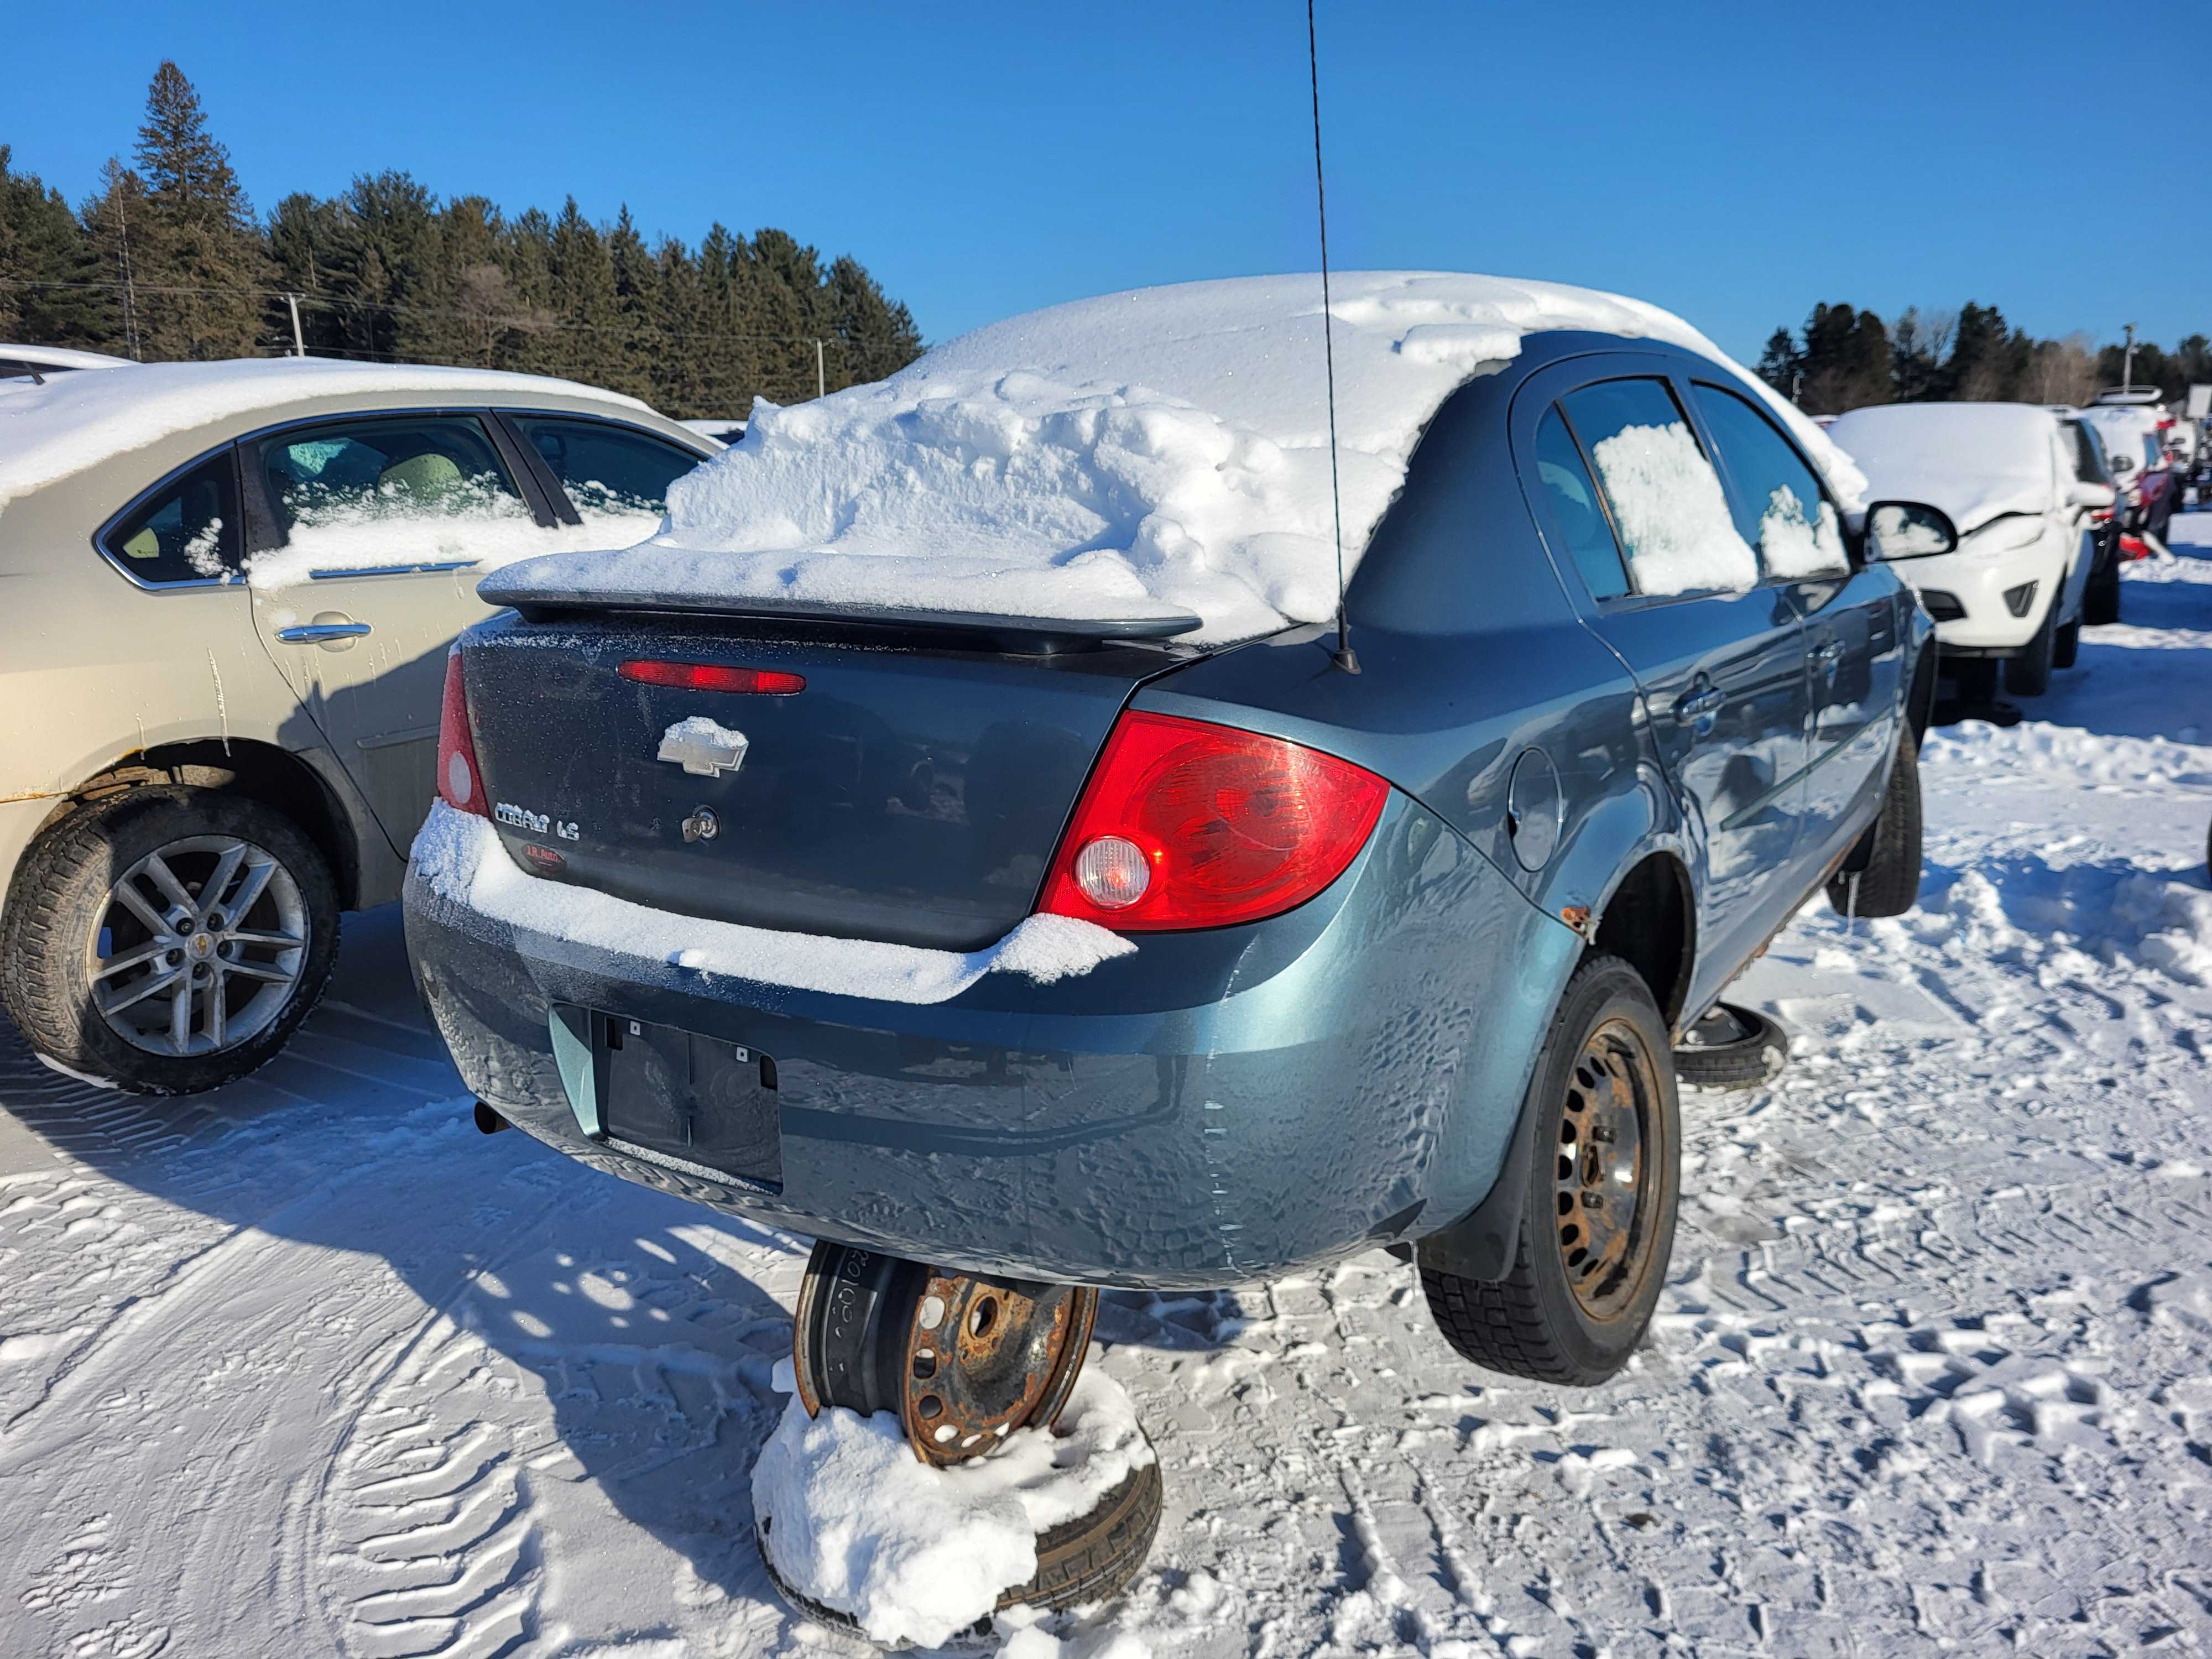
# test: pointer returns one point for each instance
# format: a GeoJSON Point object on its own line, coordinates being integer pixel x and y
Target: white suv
{"type": "Point", "coordinates": [2021, 486]}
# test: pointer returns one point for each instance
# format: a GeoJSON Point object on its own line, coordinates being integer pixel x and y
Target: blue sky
{"type": "Point", "coordinates": [1733, 162]}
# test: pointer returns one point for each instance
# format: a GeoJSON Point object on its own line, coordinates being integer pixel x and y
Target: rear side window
{"type": "Point", "coordinates": [1779, 508]}
{"type": "Point", "coordinates": [386, 472]}
{"type": "Point", "coordinates": [1569, 495]}
{"type": "Point", "coordinates": [185, 531]}
{"type": "Point", "coordinates": [607, 469]}
{"type": "Point", "coordinates": [1668, 504]}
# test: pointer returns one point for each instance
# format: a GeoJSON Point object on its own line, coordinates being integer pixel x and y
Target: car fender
{"type": "Point", "coordinates": [1619, 833]}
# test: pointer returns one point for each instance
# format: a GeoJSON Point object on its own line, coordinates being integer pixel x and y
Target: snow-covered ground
{"type": "Point", "coordinates": [309, 1367]}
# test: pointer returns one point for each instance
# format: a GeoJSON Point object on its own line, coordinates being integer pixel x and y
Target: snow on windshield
{"type": "Point", "coordinates": [1668, 502]}
{"type": "Point", "coordinates": [1157, 450]}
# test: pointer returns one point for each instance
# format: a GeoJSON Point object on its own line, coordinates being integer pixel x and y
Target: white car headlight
{"type": "Point", "coordinates": [2007, 534]}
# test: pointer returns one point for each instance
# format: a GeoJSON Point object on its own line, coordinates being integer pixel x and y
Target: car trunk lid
{"type": "Point", "coordinates": [912, 791]}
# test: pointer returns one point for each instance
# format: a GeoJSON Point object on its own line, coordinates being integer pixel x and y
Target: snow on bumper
{"type": "Point", "coordinates": [459, 855]}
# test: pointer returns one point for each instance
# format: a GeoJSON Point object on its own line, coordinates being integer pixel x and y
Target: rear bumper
{"type": "Point", "coordinates": [1217, 1108]}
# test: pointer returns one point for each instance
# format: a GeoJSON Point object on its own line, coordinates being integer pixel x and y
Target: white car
{"type": "Point", "coordinates": [30, 363]}
{"type": "Point", "coordinates": [2021, 488]}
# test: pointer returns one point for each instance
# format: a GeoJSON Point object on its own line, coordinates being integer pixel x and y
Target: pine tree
{"type": "Point", "coordinates": [117, 224]}
{"type": "Point", "coordinates": [1781, 362]}
{"type": "Point", "coordinates": [47, 263]}
{"type": "Point", "coordinates": [201, 264]}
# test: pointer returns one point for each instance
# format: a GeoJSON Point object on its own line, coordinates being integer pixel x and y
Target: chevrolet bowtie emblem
{"type": "Point", "coordinates": [702, 748]}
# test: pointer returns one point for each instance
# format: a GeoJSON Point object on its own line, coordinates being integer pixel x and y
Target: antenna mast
{"type": "Point", "coordinates": [1343, 656]}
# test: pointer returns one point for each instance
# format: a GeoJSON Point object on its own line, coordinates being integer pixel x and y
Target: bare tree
{"type": "Point", "coordinates": [2065, 371]}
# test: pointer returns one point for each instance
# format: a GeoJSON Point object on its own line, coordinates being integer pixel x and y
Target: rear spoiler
{"type": "Point", "coordinates": [539, 599]}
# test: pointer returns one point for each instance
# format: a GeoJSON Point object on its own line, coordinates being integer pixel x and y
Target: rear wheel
{"type": "Point", "coordinates": [1886, 879]}
{"type": "Point", "coordinates": [1597, 1222]}
{"type": "Point", "coordinates": [168, 939]}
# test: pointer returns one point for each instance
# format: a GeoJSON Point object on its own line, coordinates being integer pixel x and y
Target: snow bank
{"type": "Point", "coordinates": [1157, 450]}
{"type": "Point", "coordinates": [460, 856]}
{"type": "Point", "coordinates": [74, 420]}
{"type": "Point", "coordinates": [1974, 460]}
{"type": "Point", "coordinates": [851, 1519]}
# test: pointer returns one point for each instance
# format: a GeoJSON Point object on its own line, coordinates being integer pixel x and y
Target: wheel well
{"type": "Point", "coordinates": [259, 771]}
{"type": "Point", "coordinates": [1650, 924]}
{"type": "Point", "coordinates": [1920, 701]}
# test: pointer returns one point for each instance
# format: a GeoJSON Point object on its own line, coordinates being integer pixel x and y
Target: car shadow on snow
{"type": "Point", "coordinates": [540, 1295]}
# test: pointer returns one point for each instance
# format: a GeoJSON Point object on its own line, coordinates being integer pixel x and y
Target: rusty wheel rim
{"type": "Point", "coordinates": [963, 1359]}
{"type": "Point", "coordinates": [1609, 1130]}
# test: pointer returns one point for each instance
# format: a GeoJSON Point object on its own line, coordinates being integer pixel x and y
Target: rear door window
{"type": "Point", "coordinates": [386, 471]}
{"type": "Point", "coordinates": [1668, 506]}
{"type": "Point", "coordinates": [1570, 499]}
{"type": "Point", "coordinates": [1778, 504]}
{"type": "Point", "coordinates": [607, 468]}
{"type": "Point", "coordinates": [185, 531]}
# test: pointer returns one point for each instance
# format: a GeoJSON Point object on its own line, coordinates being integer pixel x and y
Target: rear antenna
{"type": "Point", "coordinates": [1344, 656]}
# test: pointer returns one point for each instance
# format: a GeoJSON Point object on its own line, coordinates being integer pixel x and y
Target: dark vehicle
{"type": "Point", "coordinates": [1414, 944]}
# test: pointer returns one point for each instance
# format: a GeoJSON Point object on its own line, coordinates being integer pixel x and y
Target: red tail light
{"type": "Point", "coordinates": [713, 677]}
{"type": "Point", "coordinates": [461, 780]}
{"type": "Point", "coordinates": [1189, 824]}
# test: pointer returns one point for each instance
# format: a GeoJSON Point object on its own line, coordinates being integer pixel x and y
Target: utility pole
{"type": "Point", "coordinates": [122, 246]}
{"type": "Point", "coordinates": [298, 346]}
{"type": "Point", "coordinates": [2128, 365]}
{"type": "Point", "coordinates": [821, 378]}
{"type": "Point", "coordinates": [1796, 386]}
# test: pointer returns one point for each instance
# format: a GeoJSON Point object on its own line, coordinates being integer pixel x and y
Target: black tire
{"type": "Point", "coordinates": [2028, 674]}
{"type": "Point", "coordinates": [1080, 1562]}
{"type": "Point", "coordinates": [1976, 678]}
{"type": "Point", "coordinates": [62, 900]}
{"type": "Point", "coordinates": [2067, 646]}
{"type": "Point", "coordinates": [2101, 599]}
{"type": "Point", "coordinates": [1731, 1048]}
{"type": "Point", "coordinates": [1535, 1322]}
{"type": "Point", "coordinates": [1885, 863]}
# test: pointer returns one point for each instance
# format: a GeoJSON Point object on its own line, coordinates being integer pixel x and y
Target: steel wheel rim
{"type": "Point", "coordinates": [963, 1359]}
{"type": "Point", "coordinates": [1607, 1153]}
{"type": "Point", "coordinates": [199, 947]}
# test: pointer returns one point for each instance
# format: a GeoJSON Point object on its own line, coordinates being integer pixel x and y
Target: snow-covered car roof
{"type": "Point", "coordinates": [64, 357]}
{"type": "Point", "coordinates": [2129, 429]}
{"type": "Point", "coordinates": [76, 421]}
{"type": "Point", "coordinates": [1159, 451]}
{"type": "Point", "coordinates": [1975, 461]}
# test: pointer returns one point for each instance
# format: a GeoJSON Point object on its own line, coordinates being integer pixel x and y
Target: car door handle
{"type": "Point", "coordinates": [1698, 708]}
{"type": "Point", "coordinates": [322, 633]}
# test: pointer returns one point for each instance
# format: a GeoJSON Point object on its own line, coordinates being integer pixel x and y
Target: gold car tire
{"type": "Point", "coordinates": [168, 939]}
